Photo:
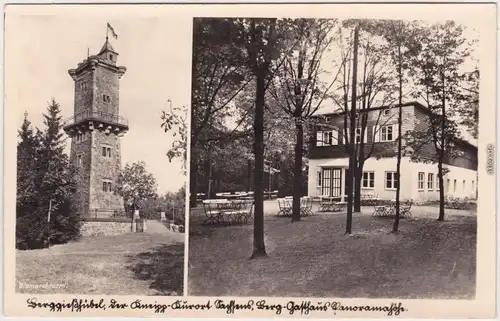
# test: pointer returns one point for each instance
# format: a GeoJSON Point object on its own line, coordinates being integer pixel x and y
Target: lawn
{"type": "Point", "coordinates": [129, 264]}
{"type": "Point", "coordinates": [426, 259]}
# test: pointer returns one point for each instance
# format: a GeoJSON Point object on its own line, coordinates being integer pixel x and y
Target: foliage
{"type": "Point", "coordinates": [174, 121]}
{"type": "Point", "coordinates": [136, 185]}
{"type": "Point", "coordinates": [46, 204]}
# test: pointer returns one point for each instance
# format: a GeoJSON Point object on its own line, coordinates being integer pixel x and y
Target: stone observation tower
{"type": "Point", "coordinates": [95, 131]}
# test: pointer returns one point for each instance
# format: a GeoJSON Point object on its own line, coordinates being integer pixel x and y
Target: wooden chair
{"type": "Point", "coordinates": [285, 208]}
{"type": "Point", "coordinates": [306, 206]}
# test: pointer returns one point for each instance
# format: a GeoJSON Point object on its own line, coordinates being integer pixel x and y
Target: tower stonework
{"type": "Point", "coordinates": [95, 130]}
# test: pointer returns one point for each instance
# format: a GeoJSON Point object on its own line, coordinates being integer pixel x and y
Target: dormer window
{"type": "Point", "coordinates": [110, 57]}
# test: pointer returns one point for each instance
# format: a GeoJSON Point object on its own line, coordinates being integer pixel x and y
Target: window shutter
{"type": "Point", "coordinates": [319, 138]}
{"type": "Point", "coordinates": [395, 130]}
{"type": "Point", "coordinates": [376, 133]}
{"type": "Point", "coordinates": [335, 136]}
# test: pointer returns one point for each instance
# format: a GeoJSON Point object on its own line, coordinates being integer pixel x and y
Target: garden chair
{"type": "Point", "coordinates": [305, 206]}
{"type": "Point", "coordinates": [380, 210]}
{"type": "Point", "coordinates": [284, 207]}
{"type": "Point", "coordinates": [453, 202]}
{"type": "Point", "coordinates": [405, 207]}
{"type": "Point", "coordinates": [246, 211]}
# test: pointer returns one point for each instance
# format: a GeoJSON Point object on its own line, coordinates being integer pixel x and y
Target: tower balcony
{"type": "Point", "coordinates": [95, 120]}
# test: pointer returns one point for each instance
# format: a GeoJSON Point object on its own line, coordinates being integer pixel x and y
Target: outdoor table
{"type": "Point", "coordinates": [389, 209]}
{"type": "Point", "coordinates": [233, 211]}
{"type": "Point", "coordinates": [329, 203]}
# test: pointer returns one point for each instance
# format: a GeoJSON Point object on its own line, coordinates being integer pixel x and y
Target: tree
{"type": "Point", "coordinates": [441, 50]}
{"type": "Point", "coordinates": [29, 228]}
{"type": "Point", "coordinates": [175, 121]}
{"type": "Point", "coordinates": [218, 76]}
{"type": "Point", "coordinates": [297, 85]}
{"type": "Point", "coordinates": [136, 185]}
{"type": "Point", "coordinates": [46, 203]}
{"type": "Point", "coordinates": [469, 108]}
{"type": "Point", "coordinates": [57, 180]}
{"type": "Point", "coordinates": [263, 45]}
{"type": "Point", "coordinates": [374, 88]}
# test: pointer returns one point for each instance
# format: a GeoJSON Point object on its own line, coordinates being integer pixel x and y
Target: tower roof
{"type": "Point", "coordinates": [107, 47]}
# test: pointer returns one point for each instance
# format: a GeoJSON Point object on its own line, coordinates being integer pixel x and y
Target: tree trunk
{"type": "Point", "coordinates": [400, 122]}
{"type": "Point", "coordinates": [443, 148]}
{"type": "Point", "coordinates": [352, 135]}
{"type": "Point", "coordinates": [357, 187]}
{"type": "Point", "coordinates": [249, 175]}
{"type": "Point", "coordinates": [193, 175]}
{"type": "Point", "coordinates": [441, 190]}
{"type": "Point", "coordinates": [259, 248]}
{"type": "Point", "coordinates": [209, 192]}
{"type": "Point", "coordinates": [297, 172]}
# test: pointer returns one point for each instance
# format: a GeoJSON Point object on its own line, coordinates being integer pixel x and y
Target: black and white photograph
{"type": "Point", "coordinates": [100, 200]}
{"type": "Point", "coordinates": [334, 158]}
{"type": "Point", "coordinates": [223, 160]}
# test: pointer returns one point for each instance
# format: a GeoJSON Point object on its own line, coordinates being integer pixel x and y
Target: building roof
{"type": "Point", "coordinates": [107, 47]}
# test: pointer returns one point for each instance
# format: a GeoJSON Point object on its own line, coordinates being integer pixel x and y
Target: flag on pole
{"type": "Point", "coordinates": [113, 33]}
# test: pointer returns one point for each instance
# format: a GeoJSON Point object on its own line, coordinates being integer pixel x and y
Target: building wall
{"type": "Point", "coordinates": [83, 149]}
{"type": "Point", "coordinates": [374, 121]}
{"type": "Point", "coordinates": [95, 167]}
{"type": "Point", "coordinates": [83, 96]}
{"type": "Point", "coordinates": [378, 166]}
{"type": "Point", "coordinates": [465, 156]}
{"type": "Point", "coordinates": [462, 167]}
{"type": "Point", "coordinates": [107, 83]}
{"type": "Point", "coordinates": [409, 178]}
{"type": "Point", "coordinates": [104, 168]}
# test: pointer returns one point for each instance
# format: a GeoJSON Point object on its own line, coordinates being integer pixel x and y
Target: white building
{"type": "Point", "coordinates": [328, 159]}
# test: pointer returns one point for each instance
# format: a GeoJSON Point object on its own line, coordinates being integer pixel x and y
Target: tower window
{"type": "Point", "coordinates": [106, 98]}
{"type": "Point", "coordinates": [79, 161]}
{"type": "Point", "coordinates": [110, 57]}
{"type": "Point", "coordinates": [106, 151]}
{"type": "Point", "coordinates": [83, 85]}
{"type": "Point", "coordinates": [81, 137]}
{"type": "Point", "coordinates": [106, 186]}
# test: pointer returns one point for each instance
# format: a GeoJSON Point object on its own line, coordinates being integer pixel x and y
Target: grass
{"type": "Point", "coordinates": [129, 264]}
{"type": "Point", "coordinates": [425, 259]}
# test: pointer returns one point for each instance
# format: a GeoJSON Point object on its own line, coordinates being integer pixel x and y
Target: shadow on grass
{"type": "Point", "coordinates": [163, 266]}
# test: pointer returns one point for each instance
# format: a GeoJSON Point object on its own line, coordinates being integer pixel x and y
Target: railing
{"type": "Point", "coordinates": [96, 115]}
{"type": "Point", "coordinates": [106, 213]}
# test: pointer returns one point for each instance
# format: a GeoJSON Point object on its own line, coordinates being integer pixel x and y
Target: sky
{"type": "Point", "coordinates": [332, 60]}
{"type": "Point", "coordinates": [147, 48]}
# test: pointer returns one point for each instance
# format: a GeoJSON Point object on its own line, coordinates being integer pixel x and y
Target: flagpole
{"type": "Point", "coordinates": [107, 32]}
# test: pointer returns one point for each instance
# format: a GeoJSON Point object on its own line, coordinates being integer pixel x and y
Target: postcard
{"type": "Point", "coordinates": [251, 160]}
